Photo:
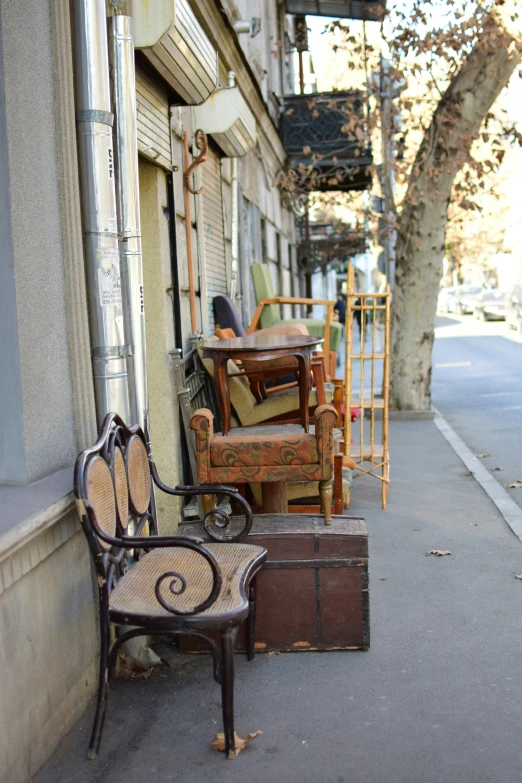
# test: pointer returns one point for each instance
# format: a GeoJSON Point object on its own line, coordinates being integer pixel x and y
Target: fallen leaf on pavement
{"type": "Point", "coordinates": [482, 456]}
{"type": "Point", "coordinates": [514, 485]}
{"type": "Point", "coordinates": [273, 652]}
{"type": "Point", "coordinates": [382, 579]}
{"type": "Point", "coordinates": [472, 524]}
{"type": "Point", "coordinates": [469, 473]}
{"type": "Point", "coordinates": [438, 552]}
{"type": "Point", "coordinates": [218, 743]}
{"type": "Point", "coordinates": [499, 468]}
{"type": "Point", "coordinates": [518, 576]}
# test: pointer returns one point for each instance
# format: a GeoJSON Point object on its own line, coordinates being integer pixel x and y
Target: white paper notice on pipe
{"type": "Point", "coordinates": [109, 280]}
{"type": "Point", "coordinates": [112, 225]}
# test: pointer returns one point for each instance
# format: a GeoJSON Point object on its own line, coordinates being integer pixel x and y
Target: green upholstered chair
{"type": "Point", "coordinates": [267, 314]}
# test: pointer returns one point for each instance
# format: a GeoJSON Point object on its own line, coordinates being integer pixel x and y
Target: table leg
{"type": "Point", "coordinates": [223, 392]}
{"type": "Point", "coordinates": [275, 497]}
{"type": "Point", "coordinates": [304, 388]}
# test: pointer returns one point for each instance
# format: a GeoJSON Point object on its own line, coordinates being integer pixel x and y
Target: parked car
{"type": "Point", "coordinates": [446, 300]}
{"type": "Point", "coordinates": [490, 306]}
{"type": "Point", "coordinates": [514, 308]}
{"type": "Point", "coordinates": [466, 298]}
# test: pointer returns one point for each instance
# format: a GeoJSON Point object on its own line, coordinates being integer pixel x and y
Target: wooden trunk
{"type": "Point", "coordinates": [312, 593]}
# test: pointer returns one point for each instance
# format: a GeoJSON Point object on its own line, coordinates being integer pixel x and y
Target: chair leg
{"type": "Point", "coordinates": [228, 642]}
{"type": "Point", "coordinates": [325, 492]}
{"type": "Point", "coordinates": [103, 688]}
{"type": "Point", "coordinates": [338, 484]}
{"type": "Point", "coordinates": [251, 623]}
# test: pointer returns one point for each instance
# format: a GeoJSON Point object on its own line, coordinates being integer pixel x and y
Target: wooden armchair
{"type": "Point", "coordinates": [279, 456]}
{"type": "Point", "coordinates": [179, 586]}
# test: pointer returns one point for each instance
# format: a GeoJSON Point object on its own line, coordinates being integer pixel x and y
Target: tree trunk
{"type": "Point", "coordinates": [422, 224]}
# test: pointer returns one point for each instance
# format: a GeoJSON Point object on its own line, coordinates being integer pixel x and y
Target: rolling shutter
{"type": "Point", "coordinates": [214, 237]}
{"type": "Point", "coordinates": [153, 121]}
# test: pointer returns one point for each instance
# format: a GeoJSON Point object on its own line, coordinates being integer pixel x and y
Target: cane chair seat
{"type": "Point", "coordinates": [133, 599]}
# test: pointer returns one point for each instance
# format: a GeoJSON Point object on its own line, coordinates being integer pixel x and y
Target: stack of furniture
{"type": "Point", "coordinates": [313, 594]}
{"type": "Point", "coordinates": [195, 390]}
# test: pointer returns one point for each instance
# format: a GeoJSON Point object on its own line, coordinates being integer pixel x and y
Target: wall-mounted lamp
{"type": "Point", "coordinates": [252, 26]}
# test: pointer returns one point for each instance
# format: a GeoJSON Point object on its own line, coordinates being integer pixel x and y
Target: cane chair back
{"type": "Point", "coordinates": [138, 473]}
{"type": "Point", "coordinates": [121, 489]}
{"type": "Point", "coordinates": [101, 497]}
{"type": "Point", "coordinates": [113, 485]}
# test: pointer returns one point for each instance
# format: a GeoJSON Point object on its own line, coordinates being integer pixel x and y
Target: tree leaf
{"type": "Point", "coordinates": [518, 576]}
{"type": "Point", "coordinates": [482, 456]}
{"type": "Point", "coordinates": [438, 552]}
{"type": "Point", "coordinates": [514, 485]}
{"type": "Point", "coordinates": [218, 743]}
{"type": "Point", "coordinates": [472, 524]}
{"type": "Point", "coordinates": [497, 468]}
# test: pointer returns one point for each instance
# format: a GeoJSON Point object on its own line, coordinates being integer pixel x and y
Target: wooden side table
{"type": "Point", "coordinates": [262, 348]}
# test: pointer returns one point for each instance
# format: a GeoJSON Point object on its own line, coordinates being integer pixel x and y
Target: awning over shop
{"type": "Point", "coordinates": [172, 39]}
{"type": "Point", "coordinates": [227, 117]}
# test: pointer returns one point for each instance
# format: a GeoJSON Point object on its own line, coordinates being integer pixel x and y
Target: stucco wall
{"type": "Point", "coordinates": [35, 254]}
{"type": "Point", "coordinates": [48, 645]}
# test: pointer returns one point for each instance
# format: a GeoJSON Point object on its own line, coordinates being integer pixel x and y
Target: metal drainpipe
{"type": "Point", "coordinates": [94, 119]}
{"type": "Point", "coordinates": [235, 212]}
{"type": "Point", "coordinates": [121, 55]}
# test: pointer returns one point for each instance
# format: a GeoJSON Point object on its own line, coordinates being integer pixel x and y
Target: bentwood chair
{"type": "Point", "coordinates": [160, 585]}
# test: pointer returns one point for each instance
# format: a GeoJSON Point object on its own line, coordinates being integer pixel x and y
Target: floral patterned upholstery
{"type": "Point", "coordinates": [261, 458]}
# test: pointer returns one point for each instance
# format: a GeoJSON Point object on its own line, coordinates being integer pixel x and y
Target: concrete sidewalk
{"type": "Point", "coordinates": [437, 699]}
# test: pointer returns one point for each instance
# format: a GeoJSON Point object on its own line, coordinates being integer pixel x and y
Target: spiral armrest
{"type": "Point", "coordinates": [177, 583]}
{"type": "Point", "coordinates": [217, 519]}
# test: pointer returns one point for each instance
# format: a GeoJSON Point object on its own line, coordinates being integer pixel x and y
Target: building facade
{"type": "Point", "coordinates": [48, 634]}
{"type": "Point", "coordinates": [210, 82]}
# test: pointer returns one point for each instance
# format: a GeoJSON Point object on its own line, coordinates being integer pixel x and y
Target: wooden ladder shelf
{"type": "Point", "coordinates": [370, 450]}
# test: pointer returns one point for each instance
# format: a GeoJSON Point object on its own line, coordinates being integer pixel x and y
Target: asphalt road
{"type": "Point", "coordinates": [477, 385]}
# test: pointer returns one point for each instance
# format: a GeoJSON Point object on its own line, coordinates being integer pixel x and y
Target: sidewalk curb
{"type": "Point", "coordinates": [506, 505]}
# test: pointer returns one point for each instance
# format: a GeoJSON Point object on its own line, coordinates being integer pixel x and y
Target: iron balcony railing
{"type": "Point", "coordinates": [326, 140]}
{"type": "Point", "coordinates": [322, 244]}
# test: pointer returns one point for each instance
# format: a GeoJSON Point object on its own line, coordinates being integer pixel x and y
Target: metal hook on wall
{"type": "Point", "coordinates": [201, 142]}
